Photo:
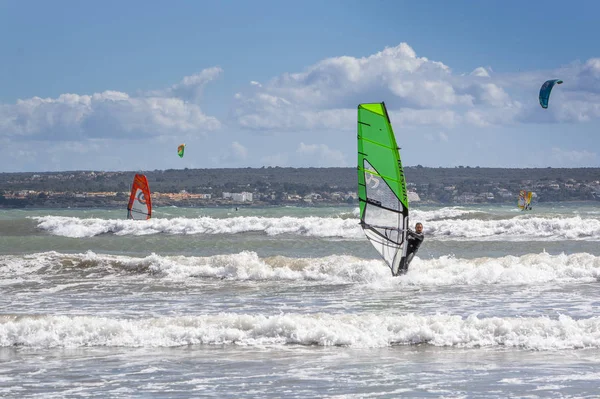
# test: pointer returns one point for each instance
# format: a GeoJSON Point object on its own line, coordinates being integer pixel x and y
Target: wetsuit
{"type": "Point", "coordinates": [413, 242]}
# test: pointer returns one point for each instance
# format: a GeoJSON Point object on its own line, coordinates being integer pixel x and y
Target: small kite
{"type": "Point", "coordinates": [545, 91]}
{"type": "Point", "coordinates": [180, 150]}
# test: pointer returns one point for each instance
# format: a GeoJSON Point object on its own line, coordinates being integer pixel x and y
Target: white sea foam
{"type": "Point", "coordinates": [356, 330]}
{"type": "Point", "coordinates": [517, 228]}
{"type": "Point", "coordinates": [513, 228]}
{"type": "Point", "coordinates": [443, 213]}
{"type": "Point", "coordinates": [335, 269]}
{"type": "Point", "coordinates": [308, 226]}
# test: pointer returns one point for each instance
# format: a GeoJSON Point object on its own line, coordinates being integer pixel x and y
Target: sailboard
{"type": "Point", "coordinates": [140, 202]}
{"type": "Point", "coordinates": [382, 194]}
{"type": "Point", "coordinates": [524, 202]}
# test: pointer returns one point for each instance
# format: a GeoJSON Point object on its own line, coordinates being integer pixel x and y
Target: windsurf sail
{"type": "Point", "coordinates": [524, 202]}
{"type": "Point", "coordinates": [382, 192]}
{"type": "Point", "coordinates": [180, 150]}
{"type": "Point", "coordinates": [140, 203]}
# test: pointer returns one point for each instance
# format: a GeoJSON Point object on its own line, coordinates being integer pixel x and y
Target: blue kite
{"type": "Point", "coordinates": [545, 91]}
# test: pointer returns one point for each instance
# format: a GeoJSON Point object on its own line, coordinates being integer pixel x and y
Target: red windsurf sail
{"type": "Point", "coordinates": [140, 203]}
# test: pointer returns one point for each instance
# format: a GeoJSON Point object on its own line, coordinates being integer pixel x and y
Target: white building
{"type": "Point", "coordinates": [239, 197]}
{"type": "Point", "coordinates": [413, 196]}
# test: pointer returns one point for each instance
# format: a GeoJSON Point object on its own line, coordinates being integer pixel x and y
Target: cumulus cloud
{"type": "Point", "coordinates": [481, 72]}
{"type": "Point", "coordinates": [111, 114]}
{"type": "Point", "coordinates": [417, 91]}
{"type": "Point", "coordinates": [190, 87]}
{"type": "Point", "coordinates": [327, 93]}
{"type": "Point", "coordinates": [324, 156]}
{"type": "Point", "coordinates": [231, 155]}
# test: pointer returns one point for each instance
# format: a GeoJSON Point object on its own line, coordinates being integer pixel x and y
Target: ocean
{"type": "Point", "coordinates": [294, 302]}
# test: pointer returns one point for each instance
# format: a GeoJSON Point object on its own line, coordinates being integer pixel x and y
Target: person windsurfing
{"type": "Point", "coordinates": [414, 239]}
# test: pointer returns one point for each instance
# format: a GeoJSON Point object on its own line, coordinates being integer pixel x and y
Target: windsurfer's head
{"type": "Point", "coordinates": [419, 227]}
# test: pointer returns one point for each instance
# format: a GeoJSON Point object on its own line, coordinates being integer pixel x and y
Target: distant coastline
{"type": "Point", "coordinates": [268, 186]}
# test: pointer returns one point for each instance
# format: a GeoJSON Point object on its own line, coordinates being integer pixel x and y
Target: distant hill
{"type": "Point", "coordinates": [445, 185]}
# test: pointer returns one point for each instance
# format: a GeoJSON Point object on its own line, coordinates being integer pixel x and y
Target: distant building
{"type": "Point", "coordinates": [413, 197]}
{"type": "Point", "coordinates": [239, 197]}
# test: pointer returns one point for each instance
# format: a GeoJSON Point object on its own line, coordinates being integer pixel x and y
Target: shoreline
{"type": "Point", "coordinates": [241, 206]}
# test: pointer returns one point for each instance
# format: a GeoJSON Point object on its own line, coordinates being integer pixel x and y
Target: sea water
{"type": "Point", "coordinates": [294, 302]}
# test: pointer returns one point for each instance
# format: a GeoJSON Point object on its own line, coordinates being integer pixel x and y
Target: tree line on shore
{"type": "Point", "coordinates": [442, 185]}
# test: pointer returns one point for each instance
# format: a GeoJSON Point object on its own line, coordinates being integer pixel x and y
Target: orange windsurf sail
{"type": "Point", "coordinates": [140, 203]}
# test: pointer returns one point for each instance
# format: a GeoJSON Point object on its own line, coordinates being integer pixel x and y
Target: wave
{"type": "Point", "coordinates": [308, 226]}
{"type": "Point", "coordinates": [426, 215]}
{"type": "Point", "coordinates": [443, 213]}
{"type": "Point", "coordinates": [528, 269]}
{"type": "Point", "coordinates": [515, 228]}
{"type": "Point", "coordinates": [356, 330]}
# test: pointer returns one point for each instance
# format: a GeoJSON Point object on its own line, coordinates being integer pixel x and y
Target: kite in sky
{"type": "Point", "coordinates": [545, 91]}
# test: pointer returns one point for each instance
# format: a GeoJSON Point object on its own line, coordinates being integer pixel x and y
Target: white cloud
{"type": "Point", "coordinates": [239, 150]}
{"type": "Point", "coordinates": [230, 156]}
{"type": "Point", "coordinates": [418, 91]}
{"type": "Point", "coordinates": [481, 72]}
{"type": "Point", "coordinates": [579, 110]}
{"type": "Point", "coordinates": [323, 155]}
{"type": "Point", "coordinates": [490, 94]}
{"type": "Point", "coordinates": [110, 114]}
{"type": "Point", "coordinates": [441, 137]}
{"type": "Point", "coordinates": [412, 117]}
{"type": "Point", "coordinates": [426, 100]}
{"type": "Point", "coordinates": [577, 100]}
{"type": "Point", "coordinates": [314, 98]}
{"type": "Point", "coordinates": [190, 87]}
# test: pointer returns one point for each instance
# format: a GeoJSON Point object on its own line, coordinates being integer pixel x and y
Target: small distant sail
{"type": "Point", "coordinates": [180, 150]}
{"type": "Point", "coordinates": [381, 186]}
{"type": "Point", "coordinates": [545, 91]}
{"type": "Point", "coordinates": [140, 203]}
{"type": "Point", "coordinates": [528, 200]}
{"type": "Point", "coordinates": [524, 202]}
{"type": "Point", "coordinates": [521, 201]}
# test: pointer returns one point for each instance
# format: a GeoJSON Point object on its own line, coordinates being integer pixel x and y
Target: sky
{"type": "Point", "coordinates": [117, 86]}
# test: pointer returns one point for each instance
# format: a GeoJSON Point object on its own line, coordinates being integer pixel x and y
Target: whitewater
{"type": "Point", "coordinates": [294, 302]}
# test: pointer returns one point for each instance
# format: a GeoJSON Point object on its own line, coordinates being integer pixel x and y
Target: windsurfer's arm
{"type": "Point", "coordinates": [412, 233]}
{"type": "Point", "coordinates": [415, 237]}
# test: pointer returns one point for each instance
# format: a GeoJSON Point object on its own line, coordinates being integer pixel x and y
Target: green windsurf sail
{"type": "Point", "coordinates": [382, 186]}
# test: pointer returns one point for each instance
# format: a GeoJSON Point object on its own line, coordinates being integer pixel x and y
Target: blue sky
{"type": "Point", "coordinates": [118, 85]}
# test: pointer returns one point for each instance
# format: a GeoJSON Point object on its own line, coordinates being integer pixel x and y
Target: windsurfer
{"type": "Point", "coordinates": [414, 240]}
